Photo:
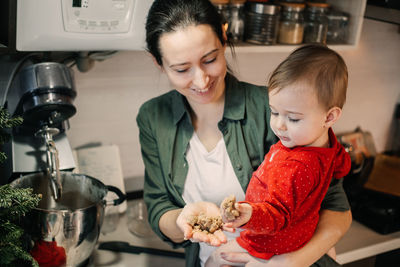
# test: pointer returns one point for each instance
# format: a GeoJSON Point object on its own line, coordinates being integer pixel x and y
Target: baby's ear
{"type": "Point", "coordinates": [332, 116]}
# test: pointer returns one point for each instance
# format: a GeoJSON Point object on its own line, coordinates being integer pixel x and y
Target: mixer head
{"type": "Point", "coordinates": [46, 92]}
{"type": "Point", "coordinates": [43, 94]}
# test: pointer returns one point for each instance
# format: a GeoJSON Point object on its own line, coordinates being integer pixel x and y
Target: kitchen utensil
{"type": "Point", "coordinates": [119, 246]}
{"type": "Point", "coordinates": [65, 232]}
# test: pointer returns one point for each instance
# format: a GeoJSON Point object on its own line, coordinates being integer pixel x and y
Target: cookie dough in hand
{"type": "Point", "coordinates": [204, 223]}
{"type": "Point", "coordinates": [228, 210]}
{"type": "Point", "coordinates": [205, 217]}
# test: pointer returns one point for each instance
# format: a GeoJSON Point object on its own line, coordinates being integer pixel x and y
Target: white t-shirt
{"type": "Point", "coordinates": [210, 178]}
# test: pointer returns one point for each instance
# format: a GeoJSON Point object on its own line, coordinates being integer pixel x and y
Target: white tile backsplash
{"type": "Point", "coordinates": [110, 94]}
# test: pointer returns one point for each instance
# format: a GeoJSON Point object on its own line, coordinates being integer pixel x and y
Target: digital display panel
{"type": "Point", "coordinates": [76, 3]}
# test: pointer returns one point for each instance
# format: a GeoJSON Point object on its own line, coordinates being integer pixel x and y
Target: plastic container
{"type": "Point", "coordinates": [316, 23]}
{"type": "Point", "coordinates": [291, 26]}
{"type": "Point", "coordinates": [262, 23]}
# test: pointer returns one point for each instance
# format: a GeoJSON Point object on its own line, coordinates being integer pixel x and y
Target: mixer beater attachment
{"type": "Point", "coordinates": [53, 163]}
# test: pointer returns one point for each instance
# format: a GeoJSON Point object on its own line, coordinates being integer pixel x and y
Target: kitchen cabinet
{"type": "Point", "coordinates": [356, 10]}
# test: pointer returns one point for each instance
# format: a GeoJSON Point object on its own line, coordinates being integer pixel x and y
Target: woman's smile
{"type": "Point", "coordinates": [205, 90]}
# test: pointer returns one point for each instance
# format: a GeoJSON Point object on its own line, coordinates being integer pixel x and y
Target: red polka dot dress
{"type": "Point", "coordinates": [286, 192]}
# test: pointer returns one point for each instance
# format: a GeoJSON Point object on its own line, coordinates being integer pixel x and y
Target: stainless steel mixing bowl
{"type": "Point", "coordinates": [65, 232]}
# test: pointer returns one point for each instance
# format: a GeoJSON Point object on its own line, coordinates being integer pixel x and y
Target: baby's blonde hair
{"type": "Point", "coordinates": [317, 66]}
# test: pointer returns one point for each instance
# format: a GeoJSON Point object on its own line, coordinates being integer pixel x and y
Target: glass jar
{"type": "Point", "coordinates": [262, 23]}
{"type": "Point", "coordinates": [338, 27]}
{"type": "Point", "coordinates": [236, 21]}
{"type": "Point", "coordinates": [223, 9]}
{"type": "Point", "coordinates": [291, 26]}
{"type": "Point", "coordinates": [316, 23]}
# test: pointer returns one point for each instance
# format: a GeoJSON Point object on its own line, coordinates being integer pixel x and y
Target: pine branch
{"type": "Point", "coordinates": [11, 253]}
{"type": "Point", "coordinates": [9, 232]}
{"type": "Point", "coordinates": [6, 123]}
{"type": "Point", "coordinates": [14, 204]}
{"type": "Point", "coordinates": [3, 156]}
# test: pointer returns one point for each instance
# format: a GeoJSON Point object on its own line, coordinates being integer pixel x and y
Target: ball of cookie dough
{"type": "Point", "coordinates": [228, 208]}
{"type": "Point", "coordinates": [204, 223]}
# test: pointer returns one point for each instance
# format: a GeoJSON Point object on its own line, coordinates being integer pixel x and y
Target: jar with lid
{"type": "Point", "coordinates": [236, 20]}
{"type": "Point", "coordinates": [316, 23]}
{"type": "Point", "coordinates": [291, 26]}
{"type": "Point", "coordinates": [223, 9]}
{"type": "Point", "coordinates": [261, 23]}
{"type": "Point", "coordinates": [338, 27]}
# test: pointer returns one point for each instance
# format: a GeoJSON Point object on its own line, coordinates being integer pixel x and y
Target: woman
{"type": "Point", "coordinates": [202, 141]}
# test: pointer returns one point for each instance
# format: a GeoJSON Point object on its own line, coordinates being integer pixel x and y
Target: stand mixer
{"type": "Point", "coordinates": [64, 228]}
{"type": "Point", "coordinates": [42, 93]}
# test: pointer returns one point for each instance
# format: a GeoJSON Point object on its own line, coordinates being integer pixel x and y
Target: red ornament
{"type": "Point", "coordinates": [48, 254]}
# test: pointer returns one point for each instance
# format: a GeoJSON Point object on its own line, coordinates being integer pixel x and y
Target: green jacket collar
{"type": "Point", "coordinates": [234, 101]}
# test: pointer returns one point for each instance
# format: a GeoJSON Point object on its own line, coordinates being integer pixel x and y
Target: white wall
{"type": "Point", "coordinates": [109, 96]}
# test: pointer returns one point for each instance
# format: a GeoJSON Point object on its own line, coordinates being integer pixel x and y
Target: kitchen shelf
{"type": "Point", "coordinates": [248, 48]}
{"type": "Point", "coordinates": [356, 10]}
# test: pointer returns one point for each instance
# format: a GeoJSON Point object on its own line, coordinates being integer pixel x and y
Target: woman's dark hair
{"type": "Point", "coordinates": [170, 15]}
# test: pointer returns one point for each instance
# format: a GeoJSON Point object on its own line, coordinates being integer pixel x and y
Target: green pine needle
{"type": "Point", "coordinates": [6, 122]}
{"type": "Point", "coordinates": [14, 204]}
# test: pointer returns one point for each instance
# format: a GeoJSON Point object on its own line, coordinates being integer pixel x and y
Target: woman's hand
{"type": "Point", "coordinates": [245, 211]}
{"type": "Point", "coordinates": [194, 209]}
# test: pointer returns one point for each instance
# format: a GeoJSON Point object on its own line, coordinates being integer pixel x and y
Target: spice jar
{"type": "Point", "coordinates": [291, 26]}
{"type": "Point", "coordinates": [262, 23]}
{"type": "Point", "coordinates": [316, 23]}
{"type": "Point", "coordinates": [236, 20]}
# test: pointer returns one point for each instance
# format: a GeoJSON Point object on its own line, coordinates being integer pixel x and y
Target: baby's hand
{"type": "Point", "coordinates": [228, 211]}
{"type": "Point", "coordinates": [245, 211]}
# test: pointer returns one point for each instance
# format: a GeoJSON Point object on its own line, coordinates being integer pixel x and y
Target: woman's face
{"type": "Point", "coordinates": [194, 60]}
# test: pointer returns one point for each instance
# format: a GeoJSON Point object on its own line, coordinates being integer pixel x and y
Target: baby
{"type": "Point", "coordinates": [280, 213]}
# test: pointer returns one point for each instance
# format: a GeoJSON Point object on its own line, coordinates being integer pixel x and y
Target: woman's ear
{"type": "Point", "coordinates": [332, 116]}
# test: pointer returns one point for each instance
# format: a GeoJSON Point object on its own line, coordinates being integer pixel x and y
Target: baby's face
{"type": "Point", "coordinates": [297, 118]}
